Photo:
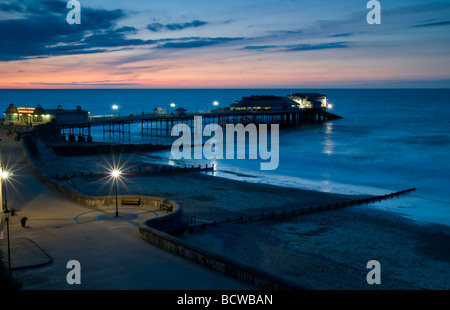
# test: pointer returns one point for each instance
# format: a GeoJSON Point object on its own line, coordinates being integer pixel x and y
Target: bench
{"type": "Point", "coordinates": [131, 202]}
{"type": "Point", "coordinates": [166, 206]}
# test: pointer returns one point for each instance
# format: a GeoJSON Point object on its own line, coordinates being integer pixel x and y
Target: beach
{"type": "Point", "coordinates": [326, 251]}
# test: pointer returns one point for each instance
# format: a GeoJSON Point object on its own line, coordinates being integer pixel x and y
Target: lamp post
{"type": "Point", "coordinates": [216, 104]}
{"type": "Point", "coordinates": [115, 107]}
{"type": "Point", "coordinates": [115, 174]}
{"type": "Point", "coordinates": [1, 185]}
{"type": "Point", "coordinates": [6, 212]}
{"type": "Point", "coordinates": [4, 177]}
{"type": "Point", "coordinates": [172, 105]}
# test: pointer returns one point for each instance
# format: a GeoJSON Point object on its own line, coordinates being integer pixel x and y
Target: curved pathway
{"type": "Point", "coordinates": [111, 253]}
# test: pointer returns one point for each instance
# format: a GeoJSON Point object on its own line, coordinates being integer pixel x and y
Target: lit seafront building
{"type": "Point", "coordinates": [278, 103]}
{"type": "Point", "coordinates": [31, 117]}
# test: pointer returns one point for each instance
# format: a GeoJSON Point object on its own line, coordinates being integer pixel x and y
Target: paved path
{"type": "Point", "coordinates": [109, 249]}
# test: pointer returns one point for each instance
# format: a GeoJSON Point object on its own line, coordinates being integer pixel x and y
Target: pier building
{"type": "Point", "coordinates": [278, 103]}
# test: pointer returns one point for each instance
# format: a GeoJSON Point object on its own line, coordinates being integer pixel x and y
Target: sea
{"type": "Point", "coordinates": [387, 140]}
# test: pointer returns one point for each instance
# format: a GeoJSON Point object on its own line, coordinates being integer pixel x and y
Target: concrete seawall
{"type": "Point", "coordinates": [248, 274]}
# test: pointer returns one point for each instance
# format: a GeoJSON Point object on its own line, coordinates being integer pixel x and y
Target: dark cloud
{"type": "Point", "coordinates": [299, 47]}
{"type": "Point", "coordinates": [339, 35]}
{"type": "Point", "coordinates": [126, 29]}
{"type": "Point", "coordinates": [417, 9]}
{"type": "Point", "coordinates": [194, 24]}
{"type": "Point", "coordinates": [44, 32]}
{"type": "Point", "coordinates": [11, 7]}
{"type": "Point", "coordinates": [445, 23]}
{"type": "Point", "coordinates": [156, 27]}
{"type": "Point", "coordinates": [196, 42]}
{"type": "Point", "coordinates": [314, 47]}
{"type": "Point", "coordinates": [261, 47]}
{"type": "Point", "coordinates": [55, 5]}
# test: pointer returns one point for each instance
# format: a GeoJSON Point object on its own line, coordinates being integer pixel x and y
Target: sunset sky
{"type": "Point", "coordinates": [224, 44]}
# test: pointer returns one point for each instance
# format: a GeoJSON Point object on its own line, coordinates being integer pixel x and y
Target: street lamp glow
{"type": "Point", "coordinates": [172, 105]}
{"type": "Point", "coordinates": [4, 174]}
{"type": "Point", "coordinates": [115, 173]}
{"type": "Point", "coordinates": [115, 107]}
{"type": "Point", "coordinates": [216, 103]}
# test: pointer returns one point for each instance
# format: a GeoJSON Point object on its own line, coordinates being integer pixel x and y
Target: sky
{"type": "Point", "coordinates": [224, 44]}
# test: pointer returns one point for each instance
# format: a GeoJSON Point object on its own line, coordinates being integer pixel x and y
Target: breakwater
{"type": "Point", "coordinates": [80, 149]}
{"type": "Point", "coordinates": [146, 171]}
{"type": "Point", "coordinates": [293, 212]}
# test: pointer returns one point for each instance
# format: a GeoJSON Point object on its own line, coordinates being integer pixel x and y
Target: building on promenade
{"type": "Point", "coordinates": [26, 116]}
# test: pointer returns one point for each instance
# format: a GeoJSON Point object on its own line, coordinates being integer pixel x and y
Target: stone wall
{"type": "Point", "coordinates": [248, 274]}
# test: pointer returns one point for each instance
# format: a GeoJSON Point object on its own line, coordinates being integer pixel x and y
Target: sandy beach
{"type": "Point", "coordinates": [327, 250]}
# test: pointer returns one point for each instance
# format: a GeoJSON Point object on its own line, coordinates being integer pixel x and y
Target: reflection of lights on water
{"type": "Point", "coordinates": [328, 143]}
{"type": "Point", "coordinates": [328, 128]}
{"type": "Point", "coordinates": [328, 147]}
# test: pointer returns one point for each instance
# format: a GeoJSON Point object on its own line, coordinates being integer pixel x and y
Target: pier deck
{"type": "Point", "coordinates": [161, 125]}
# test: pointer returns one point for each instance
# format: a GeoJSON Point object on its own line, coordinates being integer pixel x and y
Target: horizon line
{"type": "Point", "coordinates": [230, 88]}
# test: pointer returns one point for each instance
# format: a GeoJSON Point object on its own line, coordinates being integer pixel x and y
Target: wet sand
{"type": "Point", "coordinates": [327, 250]}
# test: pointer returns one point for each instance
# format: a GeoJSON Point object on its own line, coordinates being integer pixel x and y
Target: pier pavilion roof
{"type": "Point", "coordinates": [263, 103]}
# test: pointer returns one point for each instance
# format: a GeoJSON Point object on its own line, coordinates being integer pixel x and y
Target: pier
{"type": "Point", "coordinates": [116, 127]}
{"type": "Point", "coordinates": [82, 131]}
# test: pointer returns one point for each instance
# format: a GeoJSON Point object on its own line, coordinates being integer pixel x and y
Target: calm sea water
{"type": "Point", "coordinates": [388, 140]}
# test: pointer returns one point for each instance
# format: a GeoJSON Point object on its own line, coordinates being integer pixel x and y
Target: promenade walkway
{"type": "Point", "coordinates": [109, 249]}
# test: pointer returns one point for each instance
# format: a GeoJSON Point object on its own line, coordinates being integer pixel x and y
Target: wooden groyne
{"type": "Point", "coordinates": [134, 172]}
{"type": "Point", "coordinates": [80, 149]}
{"type": "Point", "coordinates": [294, 212]}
